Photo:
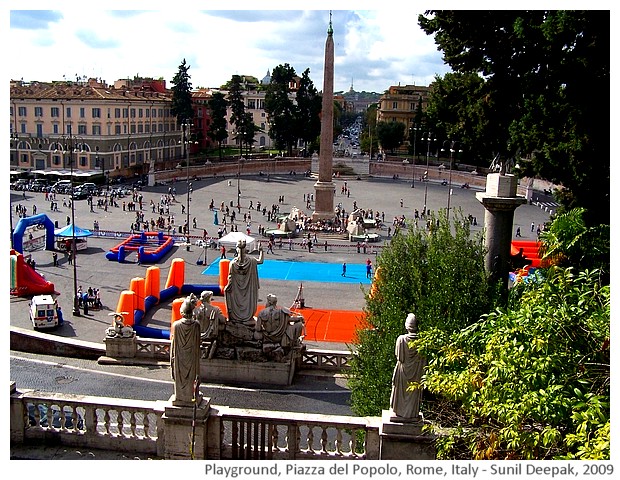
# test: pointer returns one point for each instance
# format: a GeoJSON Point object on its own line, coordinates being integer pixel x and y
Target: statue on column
{"type": "Point", "coordinates": [241, 292]}
{"type": "Point", "coordinates": [405, 402]}
{"type": "Point", "coordinates": [185, 354]}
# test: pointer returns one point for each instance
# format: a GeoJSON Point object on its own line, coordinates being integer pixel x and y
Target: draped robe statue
{"type": "Point", "coordinates": [185, 354]}
{"type": "Point", "coordinates": [241, 292]}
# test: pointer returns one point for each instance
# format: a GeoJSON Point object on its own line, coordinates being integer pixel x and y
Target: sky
{"type": "Point", "coordinates": [374, 48]}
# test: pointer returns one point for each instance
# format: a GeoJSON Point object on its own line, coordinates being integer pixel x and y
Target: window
{"type": "Point", "coordinates": [55, 112]}
{"type": "Point", "coordinates": [82, 112]}
{"type": "Point", "coordinates": [133, 113]}
{"type": "Point", "coordinates": [56, 159]}
{"type": "Point", "coordinates": [81, 129]}
{"type": "Point", "coordinates": [125, 112]}
{"type": "Point", "coordinates": [96, 129]}
{"type": "Point", "coordinates": [147, 128]}
{"type": "Point", "coordinates": [133, 128]}
{"type": "Point", "coordinates": [38, 111]}
{"type": "Point", "coordinates": [39, 130]}
{"type": "Point", "coordinates": [68, 110]}
{"type": "Point", "coordinates": [117, 113]}
{"type": "Point", "coordinates": [147, 112]}
{"type": "Point", "coordinates": [82, 161]}
{"type": "Point", "coordinates": [394, 105]}
{"type": "Point", "coordinates": [140, 113]}
{"type": "Point", "coordinates": [117, 129]}
{"type": "Point", "coordinates": [21, 111]}
{"type": "Point", "coordinates": [55, 129]}
{"type": "Point", "coordinates": [140, 128]}
{"type": "Point", "coordinates": [154, 113]}
{"type": "Point", "coordinates": [252, 104]}
{"type": "Point", "coordinates": [23, 128]}
{"type": "Point", "coordinates": [96, 113]}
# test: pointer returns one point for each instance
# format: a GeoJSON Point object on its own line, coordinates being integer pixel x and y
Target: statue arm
{"type": "Point", "coordinates": [261, 255]}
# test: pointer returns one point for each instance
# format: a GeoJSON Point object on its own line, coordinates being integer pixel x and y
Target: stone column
{"type": "Point", "coordinates": [500, 202]}
{"type": "Point", "coordinates": [402, 439]}
{"type": "Point", "coordinates": [324, 187]}
{"type": "Point", "coordinates": [177, 421]}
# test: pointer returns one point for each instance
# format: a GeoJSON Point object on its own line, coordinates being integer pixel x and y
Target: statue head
{"type": "Point", "coordinates": [272, 300]}
{"type": "Point", "coordinates": [205, 296]}
{"type": "Point", "coordinates": [187, 308]}
{"type": "Point", "coordinates": [411, 324]}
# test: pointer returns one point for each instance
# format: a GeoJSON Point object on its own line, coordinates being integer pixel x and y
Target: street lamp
{"type": "Point", "coordinates": [70, 149]}
{"type": "Point", "coordinates": [453, 144]}
{"type": "Point", "coordinates": [415, 133]}
{"type": "Point", "coordinates": [428, 141]}
{"type": "Point", "coordinates": [14, 138]}
{"type": "Point", "coordinates": [241, 159]}
{"type": "Point", "coordinates": [186, 141]}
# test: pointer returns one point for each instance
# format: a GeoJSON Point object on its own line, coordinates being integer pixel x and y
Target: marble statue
{"type": "Point", "coordinates": [241, 292]}
{"type": "Point", "coordinates": [278, 327]}
{"type": "Point", "coordinates": [404, 402]}
{"type": "Point", "coordinates": [185, 353]}
{"type": "Point", "coordinates": [211, 319]}
{"type": "Point", "coordinates": [119, 329]}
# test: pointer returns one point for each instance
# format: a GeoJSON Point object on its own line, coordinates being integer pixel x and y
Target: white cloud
{"type": "Point", "coordinates": [374, 49]}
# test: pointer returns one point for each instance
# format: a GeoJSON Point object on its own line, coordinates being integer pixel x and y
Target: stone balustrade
{"type": "Point", "coordinates": [258, 435]}
{"type": "Point", "coordinates": [137, 427]}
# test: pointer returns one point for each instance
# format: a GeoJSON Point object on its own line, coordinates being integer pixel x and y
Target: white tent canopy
{"type": "Point", "coordinates": [230, 241]}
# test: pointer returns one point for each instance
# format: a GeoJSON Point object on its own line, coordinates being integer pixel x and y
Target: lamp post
{"type": "Point", "coordinates": [14, 138]}
{"type": "Point", "coordinates": [415, 132]}
{"type": "Point", "coordinates": [428, 141]}
{"type": "Point", "coordinates": [70, 149]}
{"type": "Point", "coordinates": [241, 159]}
{"type": "Point", "coordinates": [452, 147]}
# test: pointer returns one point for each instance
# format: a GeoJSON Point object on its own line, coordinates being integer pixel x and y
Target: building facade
{"type": "Point", "coordinates": [400, 103]}
{"type": "Point", "coordinates": [92, 127]}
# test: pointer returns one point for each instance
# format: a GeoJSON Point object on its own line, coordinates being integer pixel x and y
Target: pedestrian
{"type": "Point", "coordinates": [325, 244]}
{"type": "Point", "coordinates": [344, 269]}
{"type": "Point", "coordinates": [532, 226]}
{"type": "Point", "coordinates": [368, 268]}
{"type": "Point", "coordinates": [518, 231]}
{"type": "Point", "coordinates": [223, 252]}
{"type": "Point", "coordinates": [55, 258]}
{"type": "Point", "coordinates": [401, 203]}
{"type": "Point", "coordinates": [70, 257]}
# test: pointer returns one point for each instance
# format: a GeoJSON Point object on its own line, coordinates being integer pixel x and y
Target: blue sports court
{"type": "Point", "coordinates": [304, 271]}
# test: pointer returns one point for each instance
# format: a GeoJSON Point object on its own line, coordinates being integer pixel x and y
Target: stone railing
{"type": "Point", "coordinates": [87, 422]}
{"type": "Point", "coordinates": [157, 349]}
{"type": "Point", "coordinates": [259, 435]}
{"type": "Point", "coordinates": [138, 427]}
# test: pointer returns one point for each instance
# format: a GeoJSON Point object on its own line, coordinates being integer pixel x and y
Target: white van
{"type": "Point", "coordinates": [62, 186]}
{"type": "Point", "coordinates": [44, 312]}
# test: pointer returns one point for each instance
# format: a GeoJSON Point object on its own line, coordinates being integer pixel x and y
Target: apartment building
{"type": "Point", "coordinates": [400, 103]}
{"type": "Point", "coordinates": [92, 127]}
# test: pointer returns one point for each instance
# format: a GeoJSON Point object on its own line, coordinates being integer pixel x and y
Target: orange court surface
{"type": "Point", "coordinates": [323, 325]}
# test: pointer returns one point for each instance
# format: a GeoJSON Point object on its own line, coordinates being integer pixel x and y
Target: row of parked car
{"type": "Point", "coordinates": [63, 187]}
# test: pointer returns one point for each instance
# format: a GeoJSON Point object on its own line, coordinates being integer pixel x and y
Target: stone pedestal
{"type": "Point", "coordinates": [239, 372]}
{"type": "Point", "coordinates": [177, 421]}
{"type": "Point", "coordinates": [324, 201]}
{"type": "Point", "coordinates": [402, 439]}
{"type": "Point", "coordinates": [120, 347]}
{"type": "Point", "coordinates": [500, 201]}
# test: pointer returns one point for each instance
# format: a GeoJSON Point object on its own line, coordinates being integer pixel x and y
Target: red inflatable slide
{"type": "Point", "coordinates": [25, 281]}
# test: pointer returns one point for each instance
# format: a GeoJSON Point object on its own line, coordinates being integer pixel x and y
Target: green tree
{"type": "Point", "coordinates": [181, 104]}
{"type": "Point", "coordinates": [218, 131]}
{"type": "Point", "coordinates": [280, 109]}
{"type": "Point", "coordinates": [536, 66]}
{"type": "Point", "coordinates": [437, 274]}
{"type": "Point", "coordinates": [390, 135]}
{"type": "Point", "coordinates": [308, 110]}
{"type": "Point", "coordinates": [531, 381]}
{"type": "Point", "coordinates": [237, 107]}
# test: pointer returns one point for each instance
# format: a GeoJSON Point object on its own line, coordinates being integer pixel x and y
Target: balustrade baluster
{"type": "Point", "coordinates": [324, 440]}
{"type": "Point", "coordinates": [273, 438]}
{"type": "Point", "coordinates": [310, 439]}
{"type": "Point", "coordinates": [132, 420]}
{"type": "Point", "coordinates": [235, 439]}
{"type": "Point", "coordinates": [338, 443]}
{"type": "Point", "coordinates": [353, 443]}
{"type": "Point", "coordinates": [255, 442]}
{"type": "Point", "coordinates": [106, 421]}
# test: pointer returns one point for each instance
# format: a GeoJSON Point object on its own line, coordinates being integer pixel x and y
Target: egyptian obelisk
{"type": "Point", "coordinates": [324, 187]}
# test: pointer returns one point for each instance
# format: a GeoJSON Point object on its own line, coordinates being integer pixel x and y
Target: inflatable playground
{"type": "Point", "coordinates": [151, 247]}
{"type": "Point", "coordinates": [528, 252]}
{"type": "Point", "coordinates": [25, 280]}
{"type": "Point", "coordinates": [145, 294]}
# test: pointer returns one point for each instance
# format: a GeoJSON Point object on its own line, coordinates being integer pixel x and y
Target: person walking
{"type": "Point", "coordinates": [55, 258]}
{"type": "Point", "coordinates": [223, 252]}
{"type": "Point", "coordinates": [518, 231]}
{"type": "Point", "coordinates": [368, 268]}
{"type": "Point", "coordinates": [344, 269]}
